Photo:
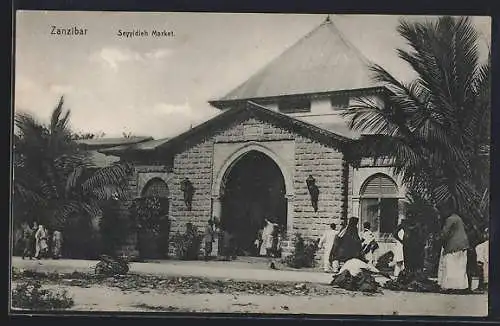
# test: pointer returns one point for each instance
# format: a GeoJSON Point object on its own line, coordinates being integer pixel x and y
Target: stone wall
{"type": "Point", "coordinates": [195, 162]}
{"type": "Point", "coordinates": [253, 130]}
{"type": "Point", "coordinates": [326, 166]}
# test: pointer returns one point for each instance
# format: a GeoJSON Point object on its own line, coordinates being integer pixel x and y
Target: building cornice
{"type": "Point", "coordinates": [224, 104]}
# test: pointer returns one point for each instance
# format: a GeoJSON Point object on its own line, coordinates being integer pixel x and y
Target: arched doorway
{"type": "Point", "coordinates": [379, 204]}
{"type": "Point", "coordinates": [152, 219]}
{"type": "Point", "coordinates": [253, 188]}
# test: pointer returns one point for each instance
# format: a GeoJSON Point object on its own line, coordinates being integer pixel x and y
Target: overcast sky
{"type": "Point", "coordinates": [160, 86]}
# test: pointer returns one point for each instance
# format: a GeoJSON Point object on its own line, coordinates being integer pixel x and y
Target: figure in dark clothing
{"type": "Point", "coordinates": [28, 241]}
{"type": "Point", "coordinates": [192, 240]}
{"type": "Point", "coordinates": [228, 245]}
{"type": "Point", "coordinates": [413, 245]}
{"type": "Point", "coordinates": [348, 243]}
{"type": "Point", "coordinates": [313, 191]}
{"type": "Point", "coordinates": [208, 239]}
{"type": "Point", "coordinates": [188, 190]}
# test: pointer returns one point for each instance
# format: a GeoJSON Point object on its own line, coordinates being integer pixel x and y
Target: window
{"type": "Point", "coordinates": [379, 204]}
{"type": "Point", "coordinates": [388, 215]}
{"type": "Point", "coordinates": [339, 101]}
{"type": "Point", "coordinates": [155, 188]}
{"type": "Point", "coordinates": [295, 106]}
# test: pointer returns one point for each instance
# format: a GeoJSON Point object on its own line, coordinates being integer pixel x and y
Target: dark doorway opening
{"type": "Point", "coordinates": [254, 189]}
{"type": "Point", "coordinates": [153, 225]}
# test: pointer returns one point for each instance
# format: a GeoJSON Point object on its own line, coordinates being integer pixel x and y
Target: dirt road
{"type": "Point", "coordinates": [103, 298]}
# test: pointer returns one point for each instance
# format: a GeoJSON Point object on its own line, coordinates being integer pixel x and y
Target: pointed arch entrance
{"type": "Point", "coordinates": [252, 188]}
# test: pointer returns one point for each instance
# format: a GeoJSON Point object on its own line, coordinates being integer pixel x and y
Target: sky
{"type": "Point", "coordinates": [160, 86]}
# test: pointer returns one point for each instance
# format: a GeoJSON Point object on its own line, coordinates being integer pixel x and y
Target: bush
{"type": "Point", "coordinates": [303, 253]}
{"type": "Point", "coordinates": [111, 266]}
{"type": "Point", "coordinates": [186, 246]}
{"type": "Point", "coordinates": [81, 240]}
{"type": "Point", "coordinates": [115, 226]}
{"type": "Point", "coordinates": [30, 295]}
{"type": "Point", "coordinates": [151, 220]}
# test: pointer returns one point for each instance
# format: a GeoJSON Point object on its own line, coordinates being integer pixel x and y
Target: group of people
{"type": "Point", "coordinates": [267, 244]}
{"type": "Point", "coordinates": [456, 265]}
{"type": "Point", "coordinates": [214, 232]}
{"type": "Point", "coordinates": [38, 243]}
{"type": "Point", "coordinates": [346, 243]}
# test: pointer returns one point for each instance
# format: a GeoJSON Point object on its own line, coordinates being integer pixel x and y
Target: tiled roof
{"type": "Point", "coordinates": [322, 61]}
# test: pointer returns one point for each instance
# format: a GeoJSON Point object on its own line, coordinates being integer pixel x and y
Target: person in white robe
{"type": "Point", "coordinates": [267, 238]}
{"type": "Point", "coordinates": [326, 242]}
{"type": "Point", "coordinates": [41, 244]}
{"type": "Point", "coordinates": [452, 271]}
{"type": "Point", "coordinates": [398, 260]}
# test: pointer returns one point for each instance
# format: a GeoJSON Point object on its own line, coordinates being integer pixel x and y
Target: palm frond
{"type": "Point", "coordinates": [115, 174]}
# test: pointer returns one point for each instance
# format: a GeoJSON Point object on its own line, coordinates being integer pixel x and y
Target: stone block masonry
{"type": "Point", "coordinates": [310, 157]}
{"type": "Point", "coordinates": [325, 164]}
{"type": "Point", "coordinates": [194, 163]}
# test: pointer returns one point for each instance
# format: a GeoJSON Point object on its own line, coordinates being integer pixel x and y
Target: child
{"type": "Point", "coordinates": [369, 244]}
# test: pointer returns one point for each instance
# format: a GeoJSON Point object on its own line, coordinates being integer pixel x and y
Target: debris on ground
{"type": "Point", "coordinates": [412, 282]}
{"type": "Point", "coordinates": [356, 275]}
{"type": "Point", "coordinates": [362, 282]}
{"type": "Point", "coordinates": [187, 285]}
{"type": "Point", "coordinates": [300, 286]}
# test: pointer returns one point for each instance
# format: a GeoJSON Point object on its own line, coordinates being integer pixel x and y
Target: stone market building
{"type": "Point", "coordinates": [274, 131]}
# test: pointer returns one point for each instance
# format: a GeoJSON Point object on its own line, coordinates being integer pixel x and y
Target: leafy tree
{"type": "Point", "coordinates": [436, 129]}
{"type": "Point", "coordinates": [54, 181]}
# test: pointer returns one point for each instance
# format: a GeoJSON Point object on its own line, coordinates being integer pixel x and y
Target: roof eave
{"type": "Point", "coordinates": [224, 103]}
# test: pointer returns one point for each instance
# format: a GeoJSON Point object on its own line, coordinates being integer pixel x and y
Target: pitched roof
{"type": "Point", "coordinates": [322, 61]}
{"type": "Point", "coordinates": [110, 142]}
{"type": "Point", "coordinates": [215, 124]}
{"type": "Point", "coordinates": [142, 146]}
{"type": "Point", "coordinates": [101, 160]}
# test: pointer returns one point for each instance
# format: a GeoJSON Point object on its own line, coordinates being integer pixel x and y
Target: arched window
{"type": "Point", "coordinates": [379, 204]}
{"type": "Point", "coordinates": [155, 188]}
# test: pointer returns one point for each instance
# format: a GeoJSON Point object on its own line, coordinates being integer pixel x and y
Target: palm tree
{"type": "Point", "coordinates": [54, 181]}
{"type": "Point", "coordinates": [436, 128]}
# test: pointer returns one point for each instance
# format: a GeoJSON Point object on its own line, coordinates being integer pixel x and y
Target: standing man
{"type": "Point", "coordinates": [208, 239]}
{"type": "Point", "coordinates": [268, 238]}
{"type": "Point", "coordinates": [326, 242]}
{"type": "Point", "coordinates": [28, 241]}
{"type": "Point", "coordinates": [452, 274]}
{"type": "Point", "coordinates": [41, 242]}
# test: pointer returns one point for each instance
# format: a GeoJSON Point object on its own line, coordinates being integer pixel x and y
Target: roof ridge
{"type": "Point", "coordinates": [275, 59]}
{"type": "Point", "coordinates": [349, 43]}
{"type": "Point", "coordinates": [257, 83]}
